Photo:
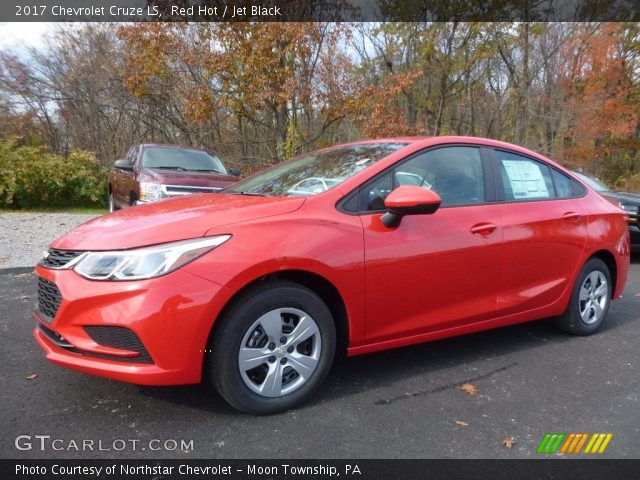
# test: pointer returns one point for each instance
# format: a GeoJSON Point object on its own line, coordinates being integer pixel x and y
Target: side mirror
{"type": "Point", "coordinates": [235, 172]}
{"type": "Point", "coordinates": [123, 165]}
{"type": "Point", "coordinates": [409, 200]}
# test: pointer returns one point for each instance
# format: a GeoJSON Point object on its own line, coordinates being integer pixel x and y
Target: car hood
{"type": "Point", "coordinates": [193, 179]}
{"type": "Point", "coordinates": [173, 219]}
{"type": "Point", "coordinates": [624, 197]}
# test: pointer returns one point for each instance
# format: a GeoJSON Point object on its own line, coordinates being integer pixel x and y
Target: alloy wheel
{"type": "Point", "coordinates": [594, 295]}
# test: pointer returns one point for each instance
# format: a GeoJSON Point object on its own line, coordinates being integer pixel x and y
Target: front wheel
{"type": "Point", "coordinates": [272, 349]}
{"type": "Point", "coordinates": [590, 300]}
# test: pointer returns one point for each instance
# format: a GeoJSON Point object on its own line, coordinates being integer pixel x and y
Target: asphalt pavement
{"type": "Point", "coordinates": [530, 379]}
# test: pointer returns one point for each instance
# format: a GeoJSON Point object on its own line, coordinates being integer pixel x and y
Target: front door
{"type": "Point", "coordinates": [432, 271]}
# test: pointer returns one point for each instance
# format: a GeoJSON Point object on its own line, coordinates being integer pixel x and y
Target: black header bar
{"type": "Point", "coordinates": [318, 10]}
{"type": "Point", "coordinates": [537, 469]}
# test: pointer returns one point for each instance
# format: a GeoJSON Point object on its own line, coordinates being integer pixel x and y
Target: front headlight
{"type": "Point", "coordinates": [629, 208]}
{"type": "Point", "coordinates": [147, 262]}
{"type": "Point", "coordinates": [150, 192]}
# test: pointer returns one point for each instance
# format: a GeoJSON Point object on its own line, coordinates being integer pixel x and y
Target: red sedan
{"type": "Point", "coordinates": [363, 247]}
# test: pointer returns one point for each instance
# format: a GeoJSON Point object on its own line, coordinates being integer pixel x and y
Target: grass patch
{"type": "Point", "coordinates": [78, 210]}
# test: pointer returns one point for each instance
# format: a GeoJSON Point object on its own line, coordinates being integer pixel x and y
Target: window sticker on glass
{"type": "Point", "coordinates": [526, 179]}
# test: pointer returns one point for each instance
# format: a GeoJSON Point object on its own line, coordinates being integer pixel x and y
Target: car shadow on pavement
{"type": "Point", "coordinates": [353, 376]}
{"type": "Point", "coordinates": [199, 396]}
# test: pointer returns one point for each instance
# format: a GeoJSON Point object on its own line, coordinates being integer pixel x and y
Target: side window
{"type": "Point", "coordinates": [564, 187]}
{"type": "Point", "coordinates": [454, 173]}
{"type": "Point", "coordinates": [372, 195]}
{"type": "Point", "coordinates": [131, 155]}
{"type": "Point", "coordinates": [578, 189]}
{"type": "Point", "coordinates": [524, 178]}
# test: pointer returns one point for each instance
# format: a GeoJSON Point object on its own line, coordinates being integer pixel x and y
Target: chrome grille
{"type": "Point", "coordinates": [173, 190]}
{"type": "Point", "coordinates": [58, 258]}
{"type": "Point", "coordinates": [49, 299]}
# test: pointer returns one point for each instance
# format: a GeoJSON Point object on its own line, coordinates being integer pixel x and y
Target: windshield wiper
{"type": "Point", "coordinates": [252, 194]}
{"type": "Point", "coordinates": [207, 170]}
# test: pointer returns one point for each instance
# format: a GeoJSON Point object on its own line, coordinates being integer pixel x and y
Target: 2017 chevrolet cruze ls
{"type": "Point", "coordinates": [364, 247]}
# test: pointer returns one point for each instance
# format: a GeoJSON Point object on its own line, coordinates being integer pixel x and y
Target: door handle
{"type": "Point", "coordinates": [483, 229]}
{"type": "Point", "coordinates": [571, 216]}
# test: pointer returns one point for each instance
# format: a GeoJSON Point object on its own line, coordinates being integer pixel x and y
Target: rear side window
{"type": "Point", "coordinates": [564, 185]}
{"type": "Point", "coordinates": [578, 189]}
{"type": "Point", "coordinates": [524, 178]}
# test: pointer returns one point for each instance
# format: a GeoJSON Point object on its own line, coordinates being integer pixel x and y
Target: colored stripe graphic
{"type": "Point", "coordinates": [581, 443]}
{"type": "Point", "coordinates": [573, 443]}
{"type": "Point", "coordinates": [550, 442]}
{"type": "Point", "coordinates": [598, 443]}
{"type": "Point", "coordinates": [543, 443]}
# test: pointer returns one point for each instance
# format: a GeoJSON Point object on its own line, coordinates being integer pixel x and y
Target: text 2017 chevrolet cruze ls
{"type": "Point", "coordinates": [365, 246]}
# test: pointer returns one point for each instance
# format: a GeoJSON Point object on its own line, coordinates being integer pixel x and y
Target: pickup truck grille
{"type": "Point", "coordinates": [173, 190]}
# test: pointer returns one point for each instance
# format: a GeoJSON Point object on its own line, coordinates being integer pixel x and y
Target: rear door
{"type": "Point", "coordinates": [432, 271]}
{"type": "Point", "coordinates": [544, 232]}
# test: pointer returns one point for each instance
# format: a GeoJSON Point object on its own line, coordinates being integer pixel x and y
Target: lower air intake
{"type": "Point", "coordinates": [119, 337]}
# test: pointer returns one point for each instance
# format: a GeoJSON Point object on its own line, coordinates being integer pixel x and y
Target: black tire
{"type": "Point", "coordinates": [273, 299]}
{"type": "Point", "coordinates": [589, 280]}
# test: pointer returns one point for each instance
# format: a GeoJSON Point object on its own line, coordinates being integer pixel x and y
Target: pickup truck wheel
{"type": "Point", "coordinates": [112, 205]}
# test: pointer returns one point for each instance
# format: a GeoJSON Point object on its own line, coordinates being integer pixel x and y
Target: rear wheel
{"type": "Point", "coordinates": [589, 301]}
{"type": "Point", "coordinates": [272, 349]}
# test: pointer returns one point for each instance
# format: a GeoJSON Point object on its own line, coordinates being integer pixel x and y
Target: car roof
{"type": "Point", "coordinates": [171, 145]}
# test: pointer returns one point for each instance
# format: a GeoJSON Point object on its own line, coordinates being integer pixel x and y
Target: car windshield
{"type": "Point", "coordinates": [593, 183]}
{"type": "Point", "coordinates": [315, 172]}
{"type": "Point", "coordinates": [181, 159]}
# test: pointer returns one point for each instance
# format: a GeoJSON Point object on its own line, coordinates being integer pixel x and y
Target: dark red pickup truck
{"type": "Point", "coordinates": [152, 172]}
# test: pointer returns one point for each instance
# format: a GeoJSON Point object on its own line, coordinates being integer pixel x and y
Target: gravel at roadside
{"type": "Point", "coordinates": [25, 235]}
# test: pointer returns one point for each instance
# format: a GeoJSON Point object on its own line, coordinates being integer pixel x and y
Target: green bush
{"type": "Point", "coordinates": [32, 177]}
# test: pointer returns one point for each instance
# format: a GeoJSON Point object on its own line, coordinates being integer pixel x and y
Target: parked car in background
{"type": "Point", "coordinates": [255, 289]}
{"type": "Point", "coordinates": [152, 172]}
{"type": "Point", "coordinates": [629, 202]}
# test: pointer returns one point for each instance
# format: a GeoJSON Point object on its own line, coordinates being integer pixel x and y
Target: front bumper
{"type": "Point", "coordinates": [171, 316]}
